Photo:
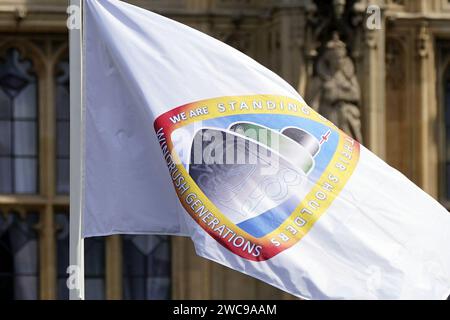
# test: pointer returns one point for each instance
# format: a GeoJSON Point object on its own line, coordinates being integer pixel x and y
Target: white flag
{"type": "Point", "coordinates": [188, 136]}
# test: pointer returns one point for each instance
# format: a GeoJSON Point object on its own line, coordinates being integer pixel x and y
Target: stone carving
{"type": "Point", "coordinates": [334, 90]}
{"type": "Point", "coordinates": [422, 40]}
{"type": "Point", "coordinates": [339, 8]}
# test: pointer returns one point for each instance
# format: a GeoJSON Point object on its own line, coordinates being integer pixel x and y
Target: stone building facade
{"type": "Point", "coordinates": [399, 76]}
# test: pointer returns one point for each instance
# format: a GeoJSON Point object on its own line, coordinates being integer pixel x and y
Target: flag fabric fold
{"type": "Point", "coordinates": [188, 136]}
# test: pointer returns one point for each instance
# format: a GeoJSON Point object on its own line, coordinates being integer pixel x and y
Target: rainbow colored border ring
{"type": "Point", "coordinates": [276, 225]}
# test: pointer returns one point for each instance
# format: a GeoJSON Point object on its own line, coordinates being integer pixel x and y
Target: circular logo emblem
{"type": "Point", "coordinates": [255, 172]}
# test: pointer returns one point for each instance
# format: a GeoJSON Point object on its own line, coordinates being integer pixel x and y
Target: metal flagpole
{"type": "Point", "coordinates": [76, 260]}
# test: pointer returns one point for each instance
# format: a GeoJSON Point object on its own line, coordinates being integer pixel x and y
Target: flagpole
{"type": "Point", "coordinates": [76, 247]}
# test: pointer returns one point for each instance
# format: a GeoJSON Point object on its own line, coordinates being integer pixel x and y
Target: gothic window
{"type": "Point", "coordinates": [19, 256]}
{"type": "Point", "coordinates": [18, 125]}
{"type": "Point", "coordinates": [62, 127]}
{"type": "Point", "coordinates": [34, 189]}
{"type": "Point", "coordinates": [146, 267]}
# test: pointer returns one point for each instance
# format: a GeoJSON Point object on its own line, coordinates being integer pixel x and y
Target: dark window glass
{"type": "Point", "coordinates": [18, 125]}
{"type": "Point", "coordinates": [19, 257]}
{"type": "Point", "coordinates": [146, 267]}
{"type": "Point", "coordinates": [62, 101]}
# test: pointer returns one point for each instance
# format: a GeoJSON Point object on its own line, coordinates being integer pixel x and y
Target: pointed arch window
{"type": "Point", "coordinates": [18, 125]}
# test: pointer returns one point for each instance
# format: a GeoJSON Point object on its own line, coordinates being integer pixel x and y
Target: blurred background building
{"type": "Point", "coordinates": [389, 87]}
